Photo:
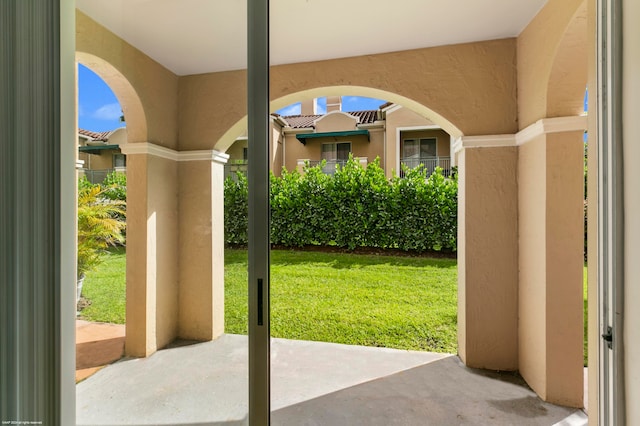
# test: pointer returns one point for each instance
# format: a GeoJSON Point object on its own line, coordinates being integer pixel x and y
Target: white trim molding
{"type": "Point", "coordinates": [541, 127]}
{"type": "Point", "coordinates": [207, 154]}
{"type": "Point", "coordinates": [551, 125]}
{"type": "Point", "coordinates": [147, 148]}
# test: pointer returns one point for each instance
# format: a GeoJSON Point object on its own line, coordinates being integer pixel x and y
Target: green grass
{"type": "Point", "coordinates": [106, 289]}
{"type": "Point", "coordinates": [395, 302]}
{"type": "Point", "coordinates": [399, 302]}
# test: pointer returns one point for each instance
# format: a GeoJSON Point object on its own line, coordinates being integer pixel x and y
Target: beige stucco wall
{"type": "Point", "coordinates": [152, 258]}
{"type": "Point", "coordinates": [140, 313]}
{"type": "Point", "coordinates": [101, 161]}
{"type": "Point", "coordinates": [564, 265]}
{"type": "Point", "coordinates": [201, 250]}
{"type": "Point", "coordinates": [336, 121]}
{"type": "Point", "coordinates": [145, 89]}
{"type": "Point", "coordinates": [532, 161]}
{"type": "Point", "coordinates": [118, 136]}
{"type": "Point", "coordinates": [550, 257]}
{"type": "Point", "coordinates": [471, 85]}
{"type": "Point", "coordinates": [488, 258]}
{"type": "Point", "coordinates": [236, 151]}
{"type": "Point", "coordinates": [209, 105]}
{"type": "Point", "coordinates": [538, 47]}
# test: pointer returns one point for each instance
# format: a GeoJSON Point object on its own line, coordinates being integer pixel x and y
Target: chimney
{"type": "Point", "coordinates": [309, 107]}
{"type": "Point", "coordinates": [334, 103]}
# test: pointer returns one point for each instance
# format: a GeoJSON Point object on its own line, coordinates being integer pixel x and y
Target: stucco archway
{"type": "Point", "coordinates": [240, 126]}
{"type": "Point", "coordinates": [125, 92]}
{"type": "Point", "coordinates": [568, 77]}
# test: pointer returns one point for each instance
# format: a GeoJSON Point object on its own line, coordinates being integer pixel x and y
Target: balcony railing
{"type": "Point", "coordinates": [330, 167]}
{"type": "Point", "coordinates": [97, 176]}
{"type": "Point", "coordinates": [234, 166]}
{"type": "Point", "coordinates": [429, 163]}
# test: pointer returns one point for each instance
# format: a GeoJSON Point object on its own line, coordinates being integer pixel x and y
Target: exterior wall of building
{"type": "Point", "coordinates": [445, 79]}
{"type": "Point", "coordinates": [396, 119]}
{"type": "Point", "coordinates": [551, 241]}
{"type": "Point", "coordinates": [101, 160]}
{"type": "Point", "coordinates": [488, 258]}
{"type": "Point", "coordinates": [152, 258]}
{"type": "Point", "coordinates": [236, 151]}
{"type": "Point", "coordinates": [147, 91]}
{"type": "Point", "coordinates": [537, 55]}
{"type": "Point", "coordinates": [336, 121]}
{"type": "Point", "coordinates": [550, 200]}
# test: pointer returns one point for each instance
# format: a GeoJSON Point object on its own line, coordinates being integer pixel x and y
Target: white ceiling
{"type": "Point", "coordinates": [197, 36]}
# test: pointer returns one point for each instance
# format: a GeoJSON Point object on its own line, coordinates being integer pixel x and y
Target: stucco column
{"type": "Point", "coordinates": [152, 273]}
{"type": "Point", "coordinates": [488, 253]}
{"type": "Point", "coordinates": [201, 244]}
{"type": "Point", "coordinates": [551, 182]}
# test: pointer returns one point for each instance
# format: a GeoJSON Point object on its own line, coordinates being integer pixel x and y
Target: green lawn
{"type": "Point", "coordinates": [398, 302]}
{"type": "Point", "coordinates": [105, 288]}
{"type": "Point", "coordinates": [395, 302]}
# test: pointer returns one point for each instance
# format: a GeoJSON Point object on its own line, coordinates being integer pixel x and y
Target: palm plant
{"type": "Point", "coordinates": [100, 225]}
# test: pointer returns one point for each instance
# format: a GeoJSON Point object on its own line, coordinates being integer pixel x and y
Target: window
{"type": "Point", "coordinates": [335, 154]}
{"type": "Point", "coordinates": [419, 148]}
{"type": "Point", "coordinates": [119, 160]}
{"type": "Point", "coordinates": [245, 153]}
{"type": "Point", "coordinates": [417, 151]}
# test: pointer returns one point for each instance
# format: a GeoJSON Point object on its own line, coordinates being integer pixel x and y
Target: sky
{"type": "Point", "coordinates": [99, 110]}
{"type": "Point", "coordinates": [98, 107]}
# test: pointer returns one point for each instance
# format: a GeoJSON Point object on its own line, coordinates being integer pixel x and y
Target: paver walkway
{"type": "Point", "coordinates": [97, 345]}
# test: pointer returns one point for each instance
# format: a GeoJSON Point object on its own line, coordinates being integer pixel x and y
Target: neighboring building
{"type": "Point", "coordinates": [100, 153]}
{"type": "Point", "coordinates": [392, 133]}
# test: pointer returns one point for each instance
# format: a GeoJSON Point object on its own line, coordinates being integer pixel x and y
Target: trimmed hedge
{"type": "Point", "coordinates": [355, 207]}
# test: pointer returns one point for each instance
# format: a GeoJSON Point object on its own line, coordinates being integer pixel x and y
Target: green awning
{"type": "Point", "coordinates": [302, 137]}
{"type": "Point", "coordinates": [95, 149]}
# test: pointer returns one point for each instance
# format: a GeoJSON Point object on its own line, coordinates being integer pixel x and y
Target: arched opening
{"type": "Point", "coordinates": [421, 272]}
{"type": "Point", "coordinates": [109, 111]}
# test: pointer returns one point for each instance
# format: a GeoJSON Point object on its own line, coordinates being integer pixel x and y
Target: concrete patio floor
{"type": "Point", "coordinates": [312, 384]}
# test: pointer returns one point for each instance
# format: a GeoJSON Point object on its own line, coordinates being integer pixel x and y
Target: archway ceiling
{"type": "Point", "coordinates": [199, 36]}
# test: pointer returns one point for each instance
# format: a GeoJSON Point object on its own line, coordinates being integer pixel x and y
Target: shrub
{"type": "Point", "coordinates": [115, 186]}
{"type": "Point", "coordinates": [99, 225]}
{"type": "Point", "coordinates": [236, 209]}
{"type": "Point", "coordinates": [355, 207]}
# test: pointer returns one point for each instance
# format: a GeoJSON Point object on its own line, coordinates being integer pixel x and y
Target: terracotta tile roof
{"type": "Point", "coordinates": [96, 136]}
{"type": "Point", "coordinates": [304, 121]}
{"type": "Point", "coordinates": [300, 121]}
{"type": "Point", "coordinates": [366, 117]}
